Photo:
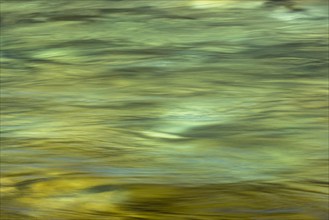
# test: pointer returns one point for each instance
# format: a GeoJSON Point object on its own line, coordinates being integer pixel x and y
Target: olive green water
{"type": "Point", "coordinates": [160, 110]}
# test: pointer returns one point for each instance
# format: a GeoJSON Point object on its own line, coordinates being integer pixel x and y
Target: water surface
{"type": "Point", "coordinates": [158, 110]}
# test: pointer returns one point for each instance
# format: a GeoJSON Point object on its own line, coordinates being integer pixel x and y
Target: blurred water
{"type": "Point", "coordinates": [140, 109]}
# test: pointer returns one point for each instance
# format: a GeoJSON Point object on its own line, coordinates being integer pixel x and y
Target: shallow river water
{"type": "Point", "coordinates": [164, 109]}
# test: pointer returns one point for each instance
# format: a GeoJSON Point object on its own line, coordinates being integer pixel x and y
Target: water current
{"type": "Point", "coordinates": [164, 109]}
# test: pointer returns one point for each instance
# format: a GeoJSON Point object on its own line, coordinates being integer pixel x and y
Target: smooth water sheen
{"type": "Point", "coordinates": [163, 109]}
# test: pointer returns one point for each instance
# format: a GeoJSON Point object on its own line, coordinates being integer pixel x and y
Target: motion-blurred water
{"type": "Point", "coordinates": [163, 109]}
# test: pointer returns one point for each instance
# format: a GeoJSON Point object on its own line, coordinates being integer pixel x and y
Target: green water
{"type": "Point", "coordinates": [159, 110]}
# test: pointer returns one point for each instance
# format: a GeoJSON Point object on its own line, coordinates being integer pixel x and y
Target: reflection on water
{"type": "Point", "coordinates": [144, 109]}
